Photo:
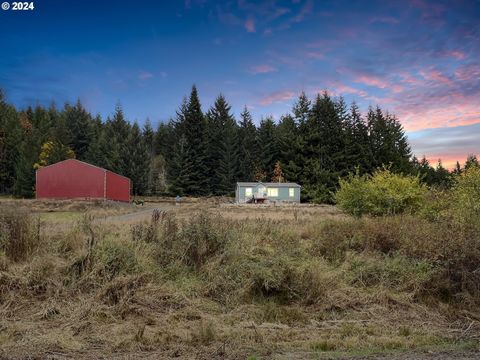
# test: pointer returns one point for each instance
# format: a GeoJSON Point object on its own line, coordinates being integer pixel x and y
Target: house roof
{"type": "Point", "coordinates": [268, 184]}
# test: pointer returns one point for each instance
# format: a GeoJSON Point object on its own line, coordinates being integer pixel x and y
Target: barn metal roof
{"type": "Point", "coordinates": [83, 162]}
{"type": "Point", "coordinates": [267, 184]}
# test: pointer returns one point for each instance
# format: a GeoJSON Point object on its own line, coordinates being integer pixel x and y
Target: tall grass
{"type": "Point", "coordinates": [19, 234]}
{"type": "Point", "coordinates": [205, 270]}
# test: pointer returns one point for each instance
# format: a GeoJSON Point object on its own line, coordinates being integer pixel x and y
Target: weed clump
{"type": "Point", "coordinates": [192, 242]}
{"type": "Point", "coordinates": [113, 258]}
{"type": "Point", "coordinates": [19, 234]}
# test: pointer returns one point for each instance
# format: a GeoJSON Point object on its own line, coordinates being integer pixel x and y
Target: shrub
{"type": "Point", "coordinates": [384, 193]}
{"type": "Point", "coordinates": [192, 242]}
{"type": "Point", "coordinates": [19, 234]}
{"type": "Point", "coordinates": [395, 272]}
{"type": "Point", "coordinates": [452, 252]}
{"type": "Point", "coordinates": [465, 198]}
{"type": "Point", "coordinates": [113, 258]}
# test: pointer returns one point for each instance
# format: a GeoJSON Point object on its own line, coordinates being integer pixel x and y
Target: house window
{"type": "Point", "coordinates": [248, 191]}
{"type": "Point", "coordinates": [272, 192]}
{"type": "Point", "coordinates": [291, 192]}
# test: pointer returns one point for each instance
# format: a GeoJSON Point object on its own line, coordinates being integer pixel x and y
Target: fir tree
{"type": "Point", "coordinates": [137, 161]}
{"type": "Point", "coordinates": [79, 124]}
{"type": "Point", "coordinates": [10, 137]}
{"type": "Point", "coordinates": [180, 168]}
{"type": "Point", "coordinates": [471, 162]}
{"type": "Point", "coordinates": [289, 147]}
{"type": "Point", "coordinates": [247, 147]}
{"type": "Point", "coordinates": [222, 151]}
{"type": "Point", "coordinates": [268, 147]}
{"type": "Point", "coordinates": [458, 169]}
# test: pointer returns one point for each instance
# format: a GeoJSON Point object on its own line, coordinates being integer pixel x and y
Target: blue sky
{"type": "Point", "coordinates": [419, 59]}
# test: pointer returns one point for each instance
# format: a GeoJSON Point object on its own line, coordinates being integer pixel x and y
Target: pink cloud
{"type": "Point", "coordinates": [315, 55]}
{"type": "Point", "coordinates": [262, 69]}
{"type": "Point", "coordinates": [459, 55]}
{"type": "Point", "coordinates": [250, 25]}
{"type": "Point", "coordinates": [435, 114]}
{"type": "Point", "coordinates": [276, 97]}
{"type": "Point", "coordinates": [376, 81]}
{"type": "Point", "coordinates": [340, 88]}
{"type": "Point", "coordinates": [467, 72]}
{"type": "Point", "coordinates": [433, 75]}
{"type": "Point", "coordinates": [408, 78]}
{"type": "Point", "coordinates": [449, 159]}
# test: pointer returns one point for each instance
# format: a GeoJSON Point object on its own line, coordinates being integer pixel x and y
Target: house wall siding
{"type": "Point", "coordinates": [283, 193]}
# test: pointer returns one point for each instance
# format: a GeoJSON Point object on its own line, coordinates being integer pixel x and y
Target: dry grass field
{"type": "Point", "coordinates": [211, 280]}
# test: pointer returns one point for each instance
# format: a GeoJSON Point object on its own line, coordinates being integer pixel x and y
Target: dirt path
{"type": "Point", "coordinates": [140, 214]}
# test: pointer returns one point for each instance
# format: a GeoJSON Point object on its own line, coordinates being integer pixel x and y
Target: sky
{"type": "Point", "coordinates": [418, 59]}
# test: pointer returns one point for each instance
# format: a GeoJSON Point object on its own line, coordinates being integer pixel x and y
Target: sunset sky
{"type": "Point", "coordinates": [418, 59]}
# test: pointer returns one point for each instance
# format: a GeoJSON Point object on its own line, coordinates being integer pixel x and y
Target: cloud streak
{"type": "Point", "coordinates": [262, 69]}
{"type": "Point", "coordinates": [277, 97]}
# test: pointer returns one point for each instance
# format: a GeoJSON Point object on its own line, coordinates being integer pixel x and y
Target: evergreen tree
{"type": "Point", "coordinates": [247, 147]}
{"type": "Point", "coordinates": [10, 137]}
{"type": "Point", "coordinates": [137, 161]}
{"type": "Point", "coordinates": [358, 150]}
{"type": "Point", "coordinates": [458, 169]}
{"type": "Point", "coordinates": [324, 150]}
{"type": "Point", "coordinates": [471, 162]}
{"type": "Point", "coordinates": [27, 154]}
{"type": "Point", "coordinates": [443, 178]}
{"type": "Point", "coordinates": [268, 147]}
{"type": "Point", "coordinates": [116, 135]}
{"type": "Point", "coordinates": [79, 124]}
{"type": "Point", "coordinates": [288, 145]}
{"type": "Point", "coordinates": [190, 128]}
{"type": "Point", "coordinates": [222, 151]}
{"type": "Point", "coordinates": [301, 113]}
{"type": "Point", "coordinates": [99, 151]}
{"type": "Point", "coordinates": [180, 168]}
{"type": "Point", "coordinates": [194, 128]}
{"type": "Point", "coordinates": [164, 139]}
{"type": "Point", "coordinates": [388, 141]}
{"type": "Point", "coordinates": [148, 136]}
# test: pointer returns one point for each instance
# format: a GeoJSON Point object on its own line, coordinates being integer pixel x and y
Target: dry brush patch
{"type": "Point", "coordinates": [206, 286]}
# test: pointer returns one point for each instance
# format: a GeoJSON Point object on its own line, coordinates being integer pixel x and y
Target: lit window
{"type": "Point", "coordinates": [248, 191]}
{"type": "Point", "coordinates": [291, 192]}
{"type": "Point", "coordinates": [273, 192]}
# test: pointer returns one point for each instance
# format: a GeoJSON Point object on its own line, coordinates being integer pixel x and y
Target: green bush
{"type": "Point", "coordinates": [384, 193]}
{"type": "Point", "coordinates": [465, 198]}
{"type": "Point", "coordinates": [113, 258]}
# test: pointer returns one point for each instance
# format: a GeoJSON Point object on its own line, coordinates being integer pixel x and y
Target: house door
{"type": "Point", "coordinates": [261, 192]}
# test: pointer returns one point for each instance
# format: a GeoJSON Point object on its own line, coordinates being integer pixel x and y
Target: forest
{"type": "Point", "coordinates": [203, 153]}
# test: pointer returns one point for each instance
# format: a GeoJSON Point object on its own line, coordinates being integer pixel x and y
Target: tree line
{"type": "Point", "coordinates": [204, 153]}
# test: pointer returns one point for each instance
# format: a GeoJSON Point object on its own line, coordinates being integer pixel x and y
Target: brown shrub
{"type": "Point", "coordinates": [19, 234]}
{"type": "Point", "coordinates": [454, 251]}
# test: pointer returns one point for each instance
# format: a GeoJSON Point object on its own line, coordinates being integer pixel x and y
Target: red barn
{"type": "Point", "coordinates": [74, 179]}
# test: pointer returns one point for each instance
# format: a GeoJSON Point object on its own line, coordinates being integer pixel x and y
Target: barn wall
{"type": "Point", "coordinates": [117, 187]}
{"type": "Point", "coordinates": [70, 179]}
